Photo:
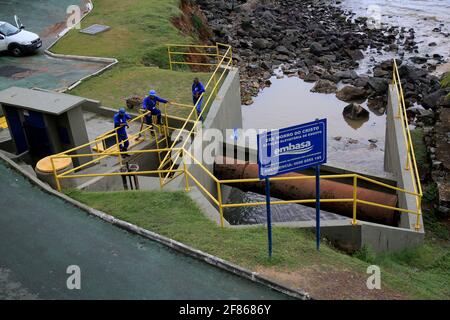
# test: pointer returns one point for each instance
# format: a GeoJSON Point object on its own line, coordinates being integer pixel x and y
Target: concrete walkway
{"type": "Point", "coordinates": [41, 236]}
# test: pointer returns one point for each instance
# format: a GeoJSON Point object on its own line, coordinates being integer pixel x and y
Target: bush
{"type": "Point", "coordinates": [365, 254]}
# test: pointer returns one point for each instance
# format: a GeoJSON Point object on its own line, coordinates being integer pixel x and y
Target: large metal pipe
{"type": "Point", "coordinates": [306, 189]}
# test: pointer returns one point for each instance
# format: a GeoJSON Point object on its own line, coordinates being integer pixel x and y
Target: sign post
{"type": "Point", "coordinates": [318, 207]}
{"type": "Point", "coordinates": [269, 218]}
{"type": "Point", "coordinates": [292, 149]}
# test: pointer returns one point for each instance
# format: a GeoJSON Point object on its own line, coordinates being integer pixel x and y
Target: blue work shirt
{"type": "Point", "coordinates": [197, 89]}
{"type": "Point", "coordinates": [120, 119]}
{"type": "Point", "coordinates": [150, 104]}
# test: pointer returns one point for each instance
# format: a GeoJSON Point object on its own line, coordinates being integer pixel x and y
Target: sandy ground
{"type": "Point", "coordinates": [330, 283]}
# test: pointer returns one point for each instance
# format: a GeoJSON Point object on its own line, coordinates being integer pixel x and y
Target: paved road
{"type": "Point", "coordinates": [46, 18]}
{"type": "Point", "coordinates": [41, 235]}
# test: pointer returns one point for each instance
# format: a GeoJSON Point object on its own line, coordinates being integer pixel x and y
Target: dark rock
{"type": "Point", "coordinates": [351, 93]}
{"type": "Point", "coordinates": [361, 81]}
{"type": "Point", "coordinates": [348, 74]}
{"type": "Point", "coordinates": [379, 85]}
{"type": "Point", "coordinates": [133, 102]}
{"type": "Point", "coordinates": [444, 101]}
{"type": "Point", "coordinates": [410, 72]}
{"type": "Point", "coordinates": [316, 48]}
{"type": "Point", "coordinates": [355, 112]}
{"type": "Point", "coordinates": [324, 86]}
{"type": "Point", "coordinates": [354, 54]}
{"type": "Point", "coordinates": [378, 72]}
{"type": "Point", "coordinates": [282, 50]}
{"type": "Point", "coordinates": [419, 60]}
{"type": "Point", "coordinates": [311, 77]}
{"type": "Point", "coordinates": [261, 44]}
{"type": "Point", "coordinates": [431, 100]}
{"type": "Point", "coordinates": [377, 105]}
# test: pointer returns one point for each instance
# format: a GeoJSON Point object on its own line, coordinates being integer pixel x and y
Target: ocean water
{"type": "Point", "coordinates": [422, 15]}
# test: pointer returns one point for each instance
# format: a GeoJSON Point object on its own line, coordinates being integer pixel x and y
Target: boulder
{"type": "Point", "coordinates": [377, 105]}
{"type": "Point", "coordinates": [348, 74]}
{"type": "Point", "coordinates": [351, 93]}
{"type": "Point", "coordinates": [419, 60]}
{"type": "Point", "coordinates": [410, 72]}
{"type": "Point", "coordinates": [324, 86]}
{"type": "Point", "coordinates": [354, 54]}
{"type": "Point", "coordinates": [261, 44]}
{"type": "Point", "coordinates": [282, 50]}
{"type": "Point", "coordinates": [316, 48]}
{"type": "Point", "coordinates": [355, 112]}
{"type": "Point", "coordinates": [311, 77]}
{"type": "Point", "coordinates": [361, 81]}
{"type": "Point", "coordinates": [431, 100]}
{"type": "Point", "coordinates": [133, 102]}
{"type": "Point", "coordinates": [379, 85]}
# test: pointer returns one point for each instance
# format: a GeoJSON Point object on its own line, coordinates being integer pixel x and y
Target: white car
{"type": "Point", "coordinates": [16, 40]}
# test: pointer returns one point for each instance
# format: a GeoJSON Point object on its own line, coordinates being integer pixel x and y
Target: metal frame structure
{"type": "Point", "coordinates": [174, 153]}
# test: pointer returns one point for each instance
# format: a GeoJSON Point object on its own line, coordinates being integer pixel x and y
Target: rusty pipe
{"type": "Point", "coordinates": [306, 189]}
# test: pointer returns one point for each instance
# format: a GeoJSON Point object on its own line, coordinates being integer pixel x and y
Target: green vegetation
{"type": "Point", "coordinates": [418, 273]}
{"type": "Point", "coordinates": [112, 87]}
{"type": "Point", "coordinates": [140, 30]}
{"type": "Point", "coordinates": [420, 150]}
{"type": "Point", "coordinates": [446, 82]}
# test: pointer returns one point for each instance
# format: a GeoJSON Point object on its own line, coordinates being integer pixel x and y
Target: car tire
{"type": "Point", "coordinates": [16, 51]}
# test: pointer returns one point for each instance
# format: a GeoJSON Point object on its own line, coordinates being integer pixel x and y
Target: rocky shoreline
{"type": "Point", "coordinates": [320, 42]}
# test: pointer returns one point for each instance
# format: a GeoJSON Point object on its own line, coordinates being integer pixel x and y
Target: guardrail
{"type": "Point", "coordinates": [218, 200]}
{"type": "Point", "coordinates": [223, 65]}
{"type": "Point", "coordinates": [175, 153]}
{"type": "Point", "coordinates": [411, 164]}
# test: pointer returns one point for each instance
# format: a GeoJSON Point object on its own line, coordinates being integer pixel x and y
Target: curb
{"type": "Point", "coordinates": [175, 245]}
{"type": "Point", "coordinates": [109, 61]}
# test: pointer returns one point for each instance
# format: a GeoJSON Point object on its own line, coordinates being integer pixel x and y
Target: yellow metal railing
{"type": "Point", "coordinates": [223, 65]}
{"type": "Point", "coordinates": [411, 164]}
{"type": "Point", "coordinates": [218, 199]}
{"type": "Point", "coordinates": [174, 153]}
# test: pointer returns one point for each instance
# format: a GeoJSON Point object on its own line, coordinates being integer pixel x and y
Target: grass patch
{"type": "Point", "coordinates": [112, 87]}
{"type": "Point", "coordinates": [139, 28]}
{"type": "Point", "coordinates": [140, 31]}
{"type": "Point", "coordinates": [418, 273]}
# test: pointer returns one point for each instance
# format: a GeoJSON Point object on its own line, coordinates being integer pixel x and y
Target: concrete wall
{"type": "Point", "coordinates": [224, 114]}
{"type": "Point", "coordinates": [379, 238]}
{"type": "Point", "coordinates": [395, 161]}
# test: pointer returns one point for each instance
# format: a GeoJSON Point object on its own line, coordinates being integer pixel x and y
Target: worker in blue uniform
{"type": "Point", "coordinates": [121, 123]}
{"type": "Point", "coordinates": [151, 103]}
{"type": "Point", "coordinates": [197, 90]}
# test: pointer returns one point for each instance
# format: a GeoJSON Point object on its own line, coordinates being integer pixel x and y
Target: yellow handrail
{"type": "Point", "coordinates": [411, 162]}
{"type": "Point", "coordinates": [217, 199]}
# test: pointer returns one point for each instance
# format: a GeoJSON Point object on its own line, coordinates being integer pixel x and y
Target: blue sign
{"type": "Point", "coordinates": [292, 149]}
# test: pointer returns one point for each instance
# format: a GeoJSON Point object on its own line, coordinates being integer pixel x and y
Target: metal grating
{"type": "Point", "coordinates": [95, 29]}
